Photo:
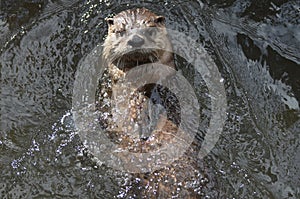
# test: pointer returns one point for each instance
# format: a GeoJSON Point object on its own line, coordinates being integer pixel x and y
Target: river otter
{"type": "Point", "coordinates": [137, 37]}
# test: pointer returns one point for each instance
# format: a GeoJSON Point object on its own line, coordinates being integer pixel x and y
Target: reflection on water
{"type": "Point", "coordinates": [255, 45]}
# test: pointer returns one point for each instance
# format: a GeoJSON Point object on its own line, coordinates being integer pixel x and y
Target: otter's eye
{"type": "Point", "coordinates": [121, 33]}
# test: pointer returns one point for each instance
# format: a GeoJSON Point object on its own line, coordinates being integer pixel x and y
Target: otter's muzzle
{"type": "Point", "coordinates": [136, 41]}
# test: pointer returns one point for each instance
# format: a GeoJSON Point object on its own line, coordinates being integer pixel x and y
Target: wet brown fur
{"type": "Point", "coordinates": [125, 25]}
{"type": "Point", "coordinates": [119, 59]}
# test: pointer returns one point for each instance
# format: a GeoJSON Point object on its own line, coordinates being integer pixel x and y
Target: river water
{"type": "Point", "coordinates": [255, 45]}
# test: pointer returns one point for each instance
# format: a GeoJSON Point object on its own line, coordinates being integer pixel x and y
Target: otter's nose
{"type": "Point", "coordinates": [136, 41]}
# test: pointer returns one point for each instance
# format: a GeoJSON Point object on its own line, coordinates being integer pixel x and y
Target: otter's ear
{"type": "Point", "coordinates": [159, 19]}
{"type": "Point", "coordinates": [110, 21]}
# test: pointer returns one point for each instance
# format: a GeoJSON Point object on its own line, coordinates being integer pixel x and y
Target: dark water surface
{"type": "Point", "coordinates": [255, 44]}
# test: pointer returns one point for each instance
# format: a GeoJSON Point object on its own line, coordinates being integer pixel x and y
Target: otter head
{"type": "Point", "coordinates": [136, 37]}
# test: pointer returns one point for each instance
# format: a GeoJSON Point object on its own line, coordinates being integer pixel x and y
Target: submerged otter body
{"type": "Point", "coordinates": [137, 37]}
